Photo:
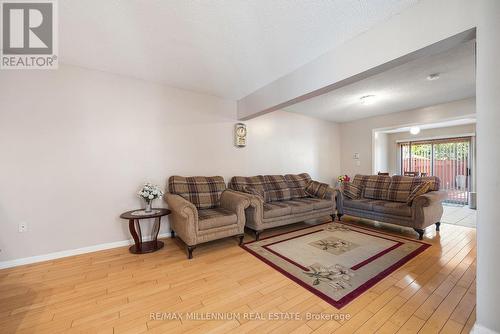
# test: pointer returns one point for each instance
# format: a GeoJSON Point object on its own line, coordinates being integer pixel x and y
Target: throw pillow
{"type": "Point", "coordinates": [352, 191]}
{"type": "Point", "coordinates": [317, 189]}
{"type": "Point", "coordinates": [421, 189]}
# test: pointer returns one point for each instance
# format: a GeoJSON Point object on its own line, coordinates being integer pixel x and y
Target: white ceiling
{"type": "Point", "coordinates": [224, 48]}
{"type": "Point", "coordinates": [404, 87]}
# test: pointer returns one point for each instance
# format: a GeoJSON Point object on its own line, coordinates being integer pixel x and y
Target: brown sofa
{"type": "Point", "coordinates": [277, 200]}
{"type": "Point", "coordinates": [384, 198]}
{"type": "Point", "coordinates": [204, 210]}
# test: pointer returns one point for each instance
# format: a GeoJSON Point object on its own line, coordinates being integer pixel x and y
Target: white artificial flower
{"type": "Point", "coordinates": [150, 191]}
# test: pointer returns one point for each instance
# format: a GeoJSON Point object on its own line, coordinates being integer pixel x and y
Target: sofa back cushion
{"type": "Point", "coordinates": [203, 191]}
{"type": "Point", "coordinates": [239, 182]}
{"type": "Point", "coordinates": [273, 187]}
{"type": "Point", "coordinates": [277, 188]}
{"type": "Point", "coordinates": [297, 184]}
{"type": "Point", "coordinates": [374, 186]}
{"type": "Point", "coordinates": [249, 184]}
{"type": "Point", "coordinates": [402, 186]}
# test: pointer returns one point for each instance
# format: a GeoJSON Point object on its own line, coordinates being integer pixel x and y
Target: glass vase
{"type": "Point", "coordinates": [149, 206]}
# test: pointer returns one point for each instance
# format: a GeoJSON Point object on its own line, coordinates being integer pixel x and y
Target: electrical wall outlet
{"type": "Point", "coordinates": [23, 227]}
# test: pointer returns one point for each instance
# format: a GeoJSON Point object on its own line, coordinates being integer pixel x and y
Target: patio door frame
{"type": "Point", "coordinates": [433, 141]}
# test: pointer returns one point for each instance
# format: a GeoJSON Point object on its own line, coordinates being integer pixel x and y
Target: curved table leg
{"type": "Point", "coordinates": [141, 247]}
{"type": "Point", "coordinates": [138, 229]}
{"type": "Point", "coordinates": [131, 227]}
{"type": "Point", "coordinates": [157, 230]}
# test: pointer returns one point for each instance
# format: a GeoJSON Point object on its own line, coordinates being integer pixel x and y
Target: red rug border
{"type": "Point", "coordinates": [359, 290]}
{"type": "Point", "coordinates": [344, 223]}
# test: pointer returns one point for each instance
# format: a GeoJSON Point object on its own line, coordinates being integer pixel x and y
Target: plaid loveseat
{"type": "Point", "coordinates": [204, 210]}
{"type": "Point", "coordinates": [277, 200]}
{"type": "Point", "coordinates": [394, 200]}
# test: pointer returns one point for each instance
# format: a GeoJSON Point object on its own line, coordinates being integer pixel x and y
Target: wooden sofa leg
{"type": "Point", "coordinates": [333, 217]}
{"type": "Point", "coordinates": [420, 233]}
{"type": "Point", "coordinates": [172, 234]}
{"type": "Point", "coordinates": [241, 236]}
{"type": "Point", "coordinates": [437, 226]}
{"type": "Point", "coordinates": [190, 251]}
{"type": "Point", "coordinates": [257, 235]}
{"type": "Point", "coordinates": [339, 215]}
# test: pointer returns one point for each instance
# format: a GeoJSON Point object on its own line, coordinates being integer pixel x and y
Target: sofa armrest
{"type": "Point", "coordinates": [254, 199]}
{"type": "Point", "coordinates": [330, 194]}
{"type": "Point", "coordinates": [184, 218]}
{"type": "Point", "coordinates": [428, 209]}
{"type": "Point", "coordinates": [254, 212]}
{"type": "Point", "coordinates": [433, 197]}
{"type": "Point", "coordinates": [181, 205]}
{"type": "Point", "coordinates": [235, 202]}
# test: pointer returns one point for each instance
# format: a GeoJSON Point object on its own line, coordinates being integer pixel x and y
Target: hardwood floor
{"type": "Point", "coordinates": [114, 291]}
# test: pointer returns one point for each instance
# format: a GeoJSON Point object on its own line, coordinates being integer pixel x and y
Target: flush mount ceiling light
{"type": "Point", "coordinates": [368, 99]}
{"type": "Point", "coordinates": [415, 130]}
{"type": "Point", "coordinates": [433, 76]}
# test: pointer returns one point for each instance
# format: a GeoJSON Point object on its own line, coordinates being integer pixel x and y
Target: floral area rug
{"type": "Point", "coordinates": [336, 261]}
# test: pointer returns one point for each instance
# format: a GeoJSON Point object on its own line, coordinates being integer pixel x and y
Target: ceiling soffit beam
{"type": "Point", "coordinates": [429, 27]}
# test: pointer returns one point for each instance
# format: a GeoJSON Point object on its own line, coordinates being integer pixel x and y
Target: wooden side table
{"type": "Point", "coordinates": [134, 226]}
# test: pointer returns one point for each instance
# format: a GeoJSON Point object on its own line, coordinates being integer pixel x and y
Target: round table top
{"type": "Point", "coordinates": [161, 212]}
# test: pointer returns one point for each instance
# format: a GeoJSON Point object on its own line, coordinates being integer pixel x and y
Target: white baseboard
{"type": "Point", "coordinates": [478, 329]}
{"type": "Point", "coordinates": [71, 252]}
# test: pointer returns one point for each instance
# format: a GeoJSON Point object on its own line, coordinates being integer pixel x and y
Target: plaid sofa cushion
{"type": "Point", "coordinates": [352, 191]}
{"type": "Point", "coordinates": [317, 189]}
{"type": "Point", "coordinates": [297, 184]}
{"type": "Point", "coordinates": [374, 186]}
{"type": "Point", "coordinates": [273, 187]}
{"type": "Point", "coordinates": [277, 188]}
{"type": "Point", "coordinates": [254, 191]}
{"type": "Point", "coordinates": [203, 191]}
{"type": "Point", "coordinates": [421, 189]}
{"type": "Point", "coordinates": [357, 180]}
{"type": "Point", "coordinates": [255, 185]}
{"type": "Point", "coordinates": [435, 182]}
{"type": "Point", "coordinates": [241, 183]}
{"type": "Point", "coordinates": [402, 186]}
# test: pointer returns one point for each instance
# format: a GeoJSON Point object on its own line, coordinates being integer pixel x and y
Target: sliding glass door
{"type": "Point", "coordinates": [449, 159]}
{"type": "Point", "coordinates": [416, 157]}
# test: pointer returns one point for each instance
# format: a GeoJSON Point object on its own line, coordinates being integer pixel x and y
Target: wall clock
{"type": "Point", "coordinates": [240, 135]}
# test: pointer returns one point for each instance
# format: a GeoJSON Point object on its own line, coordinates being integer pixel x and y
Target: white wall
{"type": "Point", "coordinates": [357, 136]}
{"type": "Point", "coordinates": [75, 146]}
{"type": "Point", "coordinates": [381, 152]}
{"type": "Point", "coordinates": [393, 156]}
{"type": "Point", "coordinates": [488, 174]}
